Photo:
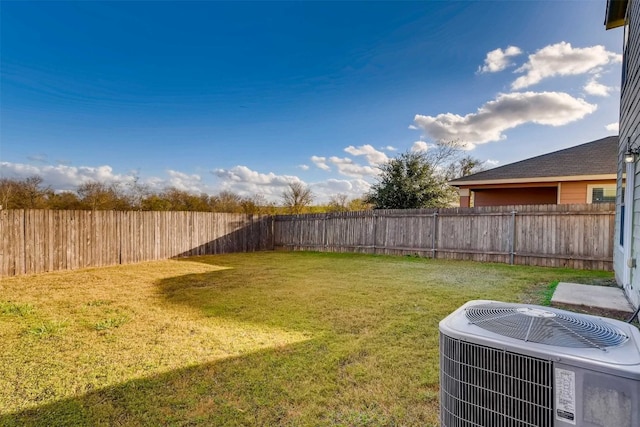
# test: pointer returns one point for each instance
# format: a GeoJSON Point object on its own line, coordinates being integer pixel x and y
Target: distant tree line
{"type": "Point", "coordinates": [31, 193]}
{"type": "Point", "coordinates": [411, 180]}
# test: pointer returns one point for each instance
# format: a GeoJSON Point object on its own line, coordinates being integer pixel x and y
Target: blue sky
{"type": "Point", "coordinates": [247, 97]}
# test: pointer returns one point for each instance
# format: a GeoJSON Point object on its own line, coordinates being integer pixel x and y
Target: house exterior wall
{"type": "Point", "coordinates": [566, 192]}
{"type": "Point", "coordinates": [629, 131]}
{"type": "Point", "coordinates": [576, 192]}
{"type": "Point", "coordinates": [465, 197]}
{"type": "Point", "coordinates": [516, 196]}
{"type": "Point", "coordinates": [493, 195]}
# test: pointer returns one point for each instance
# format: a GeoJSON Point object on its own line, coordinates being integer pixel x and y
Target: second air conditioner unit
{"type": "Point", "coordinates": [519, 365]}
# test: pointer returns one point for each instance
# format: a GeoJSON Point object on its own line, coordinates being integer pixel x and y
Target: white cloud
{"type": "Point", "coordinates": [63, 177]}
{"type": "Point", "coordinates": [506, 112]}
{"type": "Point", "coordinates": [374, 157]}
{"type": "Point", "coordinates": [182, 181]}
{"type": "Point", "coordinates": [68, 178]}
{"type": "Point", "coordinates": [320, 162]}
{"type": "Point", "coordinates": [390, 148]}
{"type": "Point", "coordinates": [561, 59]}
{"type": "Point", "coordinates": [353, 188]}
{"type": "Point", "coordinates": [347, 167]}
{"type": "Point", "coordinates": [246, 182]}
{"type": "Point", "coordinates": [304, 167]}
{"type": "Point", "coordinates": [498, 60]}
{"type": "Point", "coordinates": [413, 127]}
{"type": "Point", "coordinates": [593, 87]}
{"type": "Point", "coordinates": [491, 163]}
{"type": "Point", "coordinates": [613, 127]}
{"type": "Point", "coordinates": [419, 146]}
{"type": "Point", "coordinates": [245, 175]}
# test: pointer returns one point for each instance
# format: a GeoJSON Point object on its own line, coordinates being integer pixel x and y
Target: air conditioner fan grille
{"type": "Point", "coordinates": [545, 325]}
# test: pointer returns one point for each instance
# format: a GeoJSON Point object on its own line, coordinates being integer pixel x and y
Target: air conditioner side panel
{"type": "Point", "coordinates": [599, 399]}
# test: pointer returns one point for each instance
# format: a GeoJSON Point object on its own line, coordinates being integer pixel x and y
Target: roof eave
{"type": "Point", "coordinates": [541, 179]}
{"type": "Point", "coordinates": [616, 13]}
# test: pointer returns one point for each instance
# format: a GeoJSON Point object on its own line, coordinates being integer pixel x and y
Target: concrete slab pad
{"type": "Point", "coordinates": [605, 297]}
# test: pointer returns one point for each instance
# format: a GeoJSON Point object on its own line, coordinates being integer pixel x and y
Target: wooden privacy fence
{"type": "Point", "coordinates": [34, 241]}
{"type": "Point", "coordinates": [575, 236]}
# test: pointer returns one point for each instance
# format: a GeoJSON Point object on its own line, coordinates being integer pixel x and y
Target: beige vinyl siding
{"type": "Point", "coordinates": [576, 192]}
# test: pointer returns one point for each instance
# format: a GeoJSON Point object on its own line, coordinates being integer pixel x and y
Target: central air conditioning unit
{"type": "Point", "coordinates": [519, 365]}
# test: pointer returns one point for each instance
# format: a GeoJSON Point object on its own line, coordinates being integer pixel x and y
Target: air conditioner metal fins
{"type": "Point", "coordinates": [519, 365]}
{"type": "Point", "coordinates": [545, 326]}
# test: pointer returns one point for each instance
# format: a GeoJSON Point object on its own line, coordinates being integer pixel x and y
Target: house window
{"type": "Point", "coordinates": [603, 193]}
{"type": "Point", "coordinates": [622, 225]}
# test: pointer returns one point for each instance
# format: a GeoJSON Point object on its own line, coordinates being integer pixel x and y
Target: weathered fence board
{"type": "Point", "coordinates": [35, 241]}
{"type": "Point", "coordinates": [576, 236]}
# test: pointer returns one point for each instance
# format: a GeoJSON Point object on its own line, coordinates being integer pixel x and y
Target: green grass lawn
{"type": "Point", "coordinates": [268, 339]}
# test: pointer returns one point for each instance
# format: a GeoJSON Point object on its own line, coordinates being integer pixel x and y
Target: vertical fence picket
{"type": "Point", "coordinates": [578, 236]}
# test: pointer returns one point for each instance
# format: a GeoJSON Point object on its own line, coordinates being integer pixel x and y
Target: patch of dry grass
{"type": "Point", "coordinates": [96, 328]}
{"type": "Point", "coordinates": [242, 339]}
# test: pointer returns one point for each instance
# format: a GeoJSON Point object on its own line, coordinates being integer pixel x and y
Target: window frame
{"type": "Point", "coordinates": [591, 187]}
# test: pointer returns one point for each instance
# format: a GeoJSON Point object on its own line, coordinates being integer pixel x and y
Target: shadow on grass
{"type": "Point", "coordinates": [304, 294]}
{"type": "Point", "coordinates": [244, 390]}
{"type": "Point", "coordinates": [371, 357]}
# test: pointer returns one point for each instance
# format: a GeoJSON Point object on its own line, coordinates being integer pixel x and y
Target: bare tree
{"type": "Point", "coordinates": [100, 196]}
{"type": "Point", "coordinates": [256, 204]}
{"type": "Point", "coordinates": [442, 153]}
{"type": "Point", "coordinates": [338, 203]}
{"type": "Point", "coordinates": [8, 188]}
{"type": "Point", "coordinates": [180, 200]}
{"type": "Point", "coordinates": [342, 203]}
{"type": "Point", "coordinates": [33, 194]}
{"type": "Point", "coordinates": [297, 197]}
{"type": "Point", "coordinates": [137, 193]}
{"type": "Point", "coordinates": [227, 201]}
{"type": "Point", "coordinates": [464, 166]}
{"type": "Point", "coordinates": [27, 193]}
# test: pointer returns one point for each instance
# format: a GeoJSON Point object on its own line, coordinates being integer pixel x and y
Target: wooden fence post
{"type": "Point", "coordinates": [325, 244]}
{"type": "Point", "coordinates": [434, 239]}
{"type": "Point", "coordinates": [512, 237]}
{"type": "Point", "coordinates": [375, 232]}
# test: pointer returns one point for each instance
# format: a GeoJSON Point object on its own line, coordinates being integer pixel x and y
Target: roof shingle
{"type": "Point", "coordinates": [599, 157]}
